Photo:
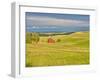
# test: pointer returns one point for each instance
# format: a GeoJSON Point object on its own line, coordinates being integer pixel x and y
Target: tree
{"type": "Point", "coordinates": [28, 38]}
{"type": "Point", "coordinates": [32, 37]}
{"type": "Point", "coordinates": [35, 37]}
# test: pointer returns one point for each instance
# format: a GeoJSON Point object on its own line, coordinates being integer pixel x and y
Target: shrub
{"type": "Point", "coordinates": [58, 40]}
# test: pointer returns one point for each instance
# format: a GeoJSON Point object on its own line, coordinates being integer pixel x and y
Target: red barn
{"type": "Point", "coordinates": [50, 40]}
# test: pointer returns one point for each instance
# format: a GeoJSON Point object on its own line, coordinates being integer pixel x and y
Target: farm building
{"type": "Point", "coordinates": [50, 40]}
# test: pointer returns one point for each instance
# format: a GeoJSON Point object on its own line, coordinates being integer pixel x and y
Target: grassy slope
{"type": "Point", "coordinates": [73, 49]}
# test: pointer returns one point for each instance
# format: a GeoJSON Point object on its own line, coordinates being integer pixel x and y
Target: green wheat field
{"type": "Point", "coordinates": [67, 49]}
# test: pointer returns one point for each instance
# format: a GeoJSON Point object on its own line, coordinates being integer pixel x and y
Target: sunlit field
{"type": "Point", "coordinates": [66, 49]}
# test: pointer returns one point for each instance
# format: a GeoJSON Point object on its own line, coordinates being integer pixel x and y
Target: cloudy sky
{"type": "Point", "coordinates": [51, 22]}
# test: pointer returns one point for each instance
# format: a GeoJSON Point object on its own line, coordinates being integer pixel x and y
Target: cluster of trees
{"type": "Point", "coordinates": [32, 37]}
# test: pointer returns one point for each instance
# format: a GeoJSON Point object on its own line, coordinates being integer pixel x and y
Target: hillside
{"type": "Point", "coordinates": [72, 49]}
